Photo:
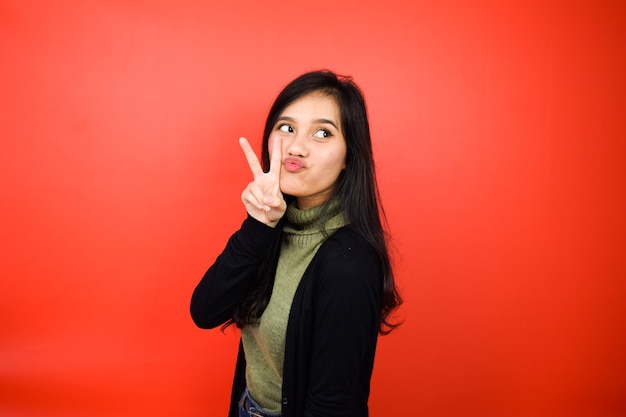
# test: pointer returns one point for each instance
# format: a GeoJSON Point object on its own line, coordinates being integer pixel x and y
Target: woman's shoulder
{"type": "Point", "coordinates": [347, 267]}
{"type": "Point", "coordinates": [346, 239]}
{"type": "Point", "coordinates": [348, 252]}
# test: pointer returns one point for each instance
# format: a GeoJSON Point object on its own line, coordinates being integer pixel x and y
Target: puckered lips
{"type": "Point", "coordinates": [292, 164]}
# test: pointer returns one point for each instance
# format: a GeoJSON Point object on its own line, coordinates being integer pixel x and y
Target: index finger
{"type": "Point", "coordinates": [253, 161]}
{"type": "Point", "coordinates": [277, 158]}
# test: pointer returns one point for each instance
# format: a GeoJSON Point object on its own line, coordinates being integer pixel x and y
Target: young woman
{"type": "Point", "coordinates": [307, 277]}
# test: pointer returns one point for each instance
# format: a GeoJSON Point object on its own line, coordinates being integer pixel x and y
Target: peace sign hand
{"type": "Point", "coordinates": [262, 197]}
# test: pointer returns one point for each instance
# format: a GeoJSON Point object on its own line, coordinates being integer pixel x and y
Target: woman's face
{"type": "Point", "coordinates": [313, 148]}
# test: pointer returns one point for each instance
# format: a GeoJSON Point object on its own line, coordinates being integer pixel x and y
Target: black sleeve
{"type": "Point", "coordinates": [226, 280]}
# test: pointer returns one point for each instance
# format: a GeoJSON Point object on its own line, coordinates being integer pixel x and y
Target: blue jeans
{"type": "Point", "coordinates": [249, 408]}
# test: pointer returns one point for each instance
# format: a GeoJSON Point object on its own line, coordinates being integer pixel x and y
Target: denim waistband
{"type": "Point", "coordinates": [252, 408]}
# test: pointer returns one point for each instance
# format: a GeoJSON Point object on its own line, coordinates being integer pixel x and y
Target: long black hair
{"type": "Point", "coordinates": [356, 189]}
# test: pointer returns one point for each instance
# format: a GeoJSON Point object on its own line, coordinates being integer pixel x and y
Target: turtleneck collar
{"type": "Point", "coordinates": [308, 221]}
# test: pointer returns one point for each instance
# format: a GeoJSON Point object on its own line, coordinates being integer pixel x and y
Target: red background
{"type": "Point", "coordinates": [498, 133]}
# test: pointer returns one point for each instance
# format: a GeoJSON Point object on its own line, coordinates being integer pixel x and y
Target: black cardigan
{"type": "Point", "coordinates": [333, 323]}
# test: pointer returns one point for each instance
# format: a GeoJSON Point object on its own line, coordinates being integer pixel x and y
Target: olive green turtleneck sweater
{"type": "Point", "coordinates": [264, 344]}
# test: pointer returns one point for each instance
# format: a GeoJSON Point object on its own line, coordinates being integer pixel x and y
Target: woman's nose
{"type": "Point", "coordinates": [296, 146]}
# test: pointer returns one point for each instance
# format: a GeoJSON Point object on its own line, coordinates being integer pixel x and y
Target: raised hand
{"type": "Point", "coordinates": [262, 197]}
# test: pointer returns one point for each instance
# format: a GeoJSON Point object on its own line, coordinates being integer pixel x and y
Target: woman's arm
{"type": "Point", "coordinates": [226, 280]}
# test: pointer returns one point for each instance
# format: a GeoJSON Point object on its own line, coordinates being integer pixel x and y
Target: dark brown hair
{"type": "Point", "coordinates": [356, 190]}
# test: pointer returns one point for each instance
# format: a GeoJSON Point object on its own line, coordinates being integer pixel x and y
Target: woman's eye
{"type": "Point", "coordinates": [322, 133]}
{"type": "Point", "coordinates": [285, 128]}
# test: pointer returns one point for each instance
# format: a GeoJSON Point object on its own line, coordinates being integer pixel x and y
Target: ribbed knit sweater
{"type": "Point", "coordinates": [264, 344]}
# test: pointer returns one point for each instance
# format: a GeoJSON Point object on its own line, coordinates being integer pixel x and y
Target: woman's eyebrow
{"type": "Point", "coordinates": [315, 121]}
{"type": "Point", "coordinates": [330, 122]}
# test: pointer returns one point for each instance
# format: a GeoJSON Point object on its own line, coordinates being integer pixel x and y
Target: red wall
{"type": "Point", "coordinates": [498, 132]}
